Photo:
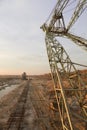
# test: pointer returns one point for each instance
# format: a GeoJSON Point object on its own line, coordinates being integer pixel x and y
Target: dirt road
{"type": "Point", "coordinates": [27, 108]}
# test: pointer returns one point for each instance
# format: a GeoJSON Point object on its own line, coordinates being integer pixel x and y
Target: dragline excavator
{"type": "Point", "coordinates": [74, 95]}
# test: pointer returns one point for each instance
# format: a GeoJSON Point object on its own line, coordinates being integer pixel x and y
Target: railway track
{"type": "Point", "coordinates": [16, 118]}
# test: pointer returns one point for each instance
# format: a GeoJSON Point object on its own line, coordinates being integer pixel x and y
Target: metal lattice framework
{"type": "Point", "coordinates": [63, 69]}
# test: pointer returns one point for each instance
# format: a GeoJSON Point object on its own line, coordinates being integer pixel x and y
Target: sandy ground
{"type": "Point", "coordinates": [37, 107]}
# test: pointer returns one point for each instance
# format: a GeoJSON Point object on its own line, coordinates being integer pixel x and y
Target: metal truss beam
{"type": "Point", "coordinates": [78, 40]}
{"type": "Point", "coordinates": [63, 69]}
{"type": "Point", "coordinates": [56, 18]}
{"type": "Point", "coordinates": [56, 23]}
{"type": "Point", "coordinates": [61, 4]}
{"type": "Point", "coordinates": [81, 6]}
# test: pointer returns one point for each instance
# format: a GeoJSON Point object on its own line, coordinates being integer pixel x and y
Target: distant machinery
{"type": "Point", "coordinates": [24, 76]}
{"type": "Point", "coordinates": [63, 68]}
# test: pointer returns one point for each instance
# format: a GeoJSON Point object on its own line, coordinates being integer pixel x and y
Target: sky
{"type": "Point", "coordinates": [22, 42]}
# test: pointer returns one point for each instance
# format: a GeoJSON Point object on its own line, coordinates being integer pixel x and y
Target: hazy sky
{"type": "Point", "coordinates": [22, 45]}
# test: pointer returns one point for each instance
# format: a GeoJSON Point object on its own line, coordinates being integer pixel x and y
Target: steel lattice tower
{"type": "Point", "coordinates": [62, 68]}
